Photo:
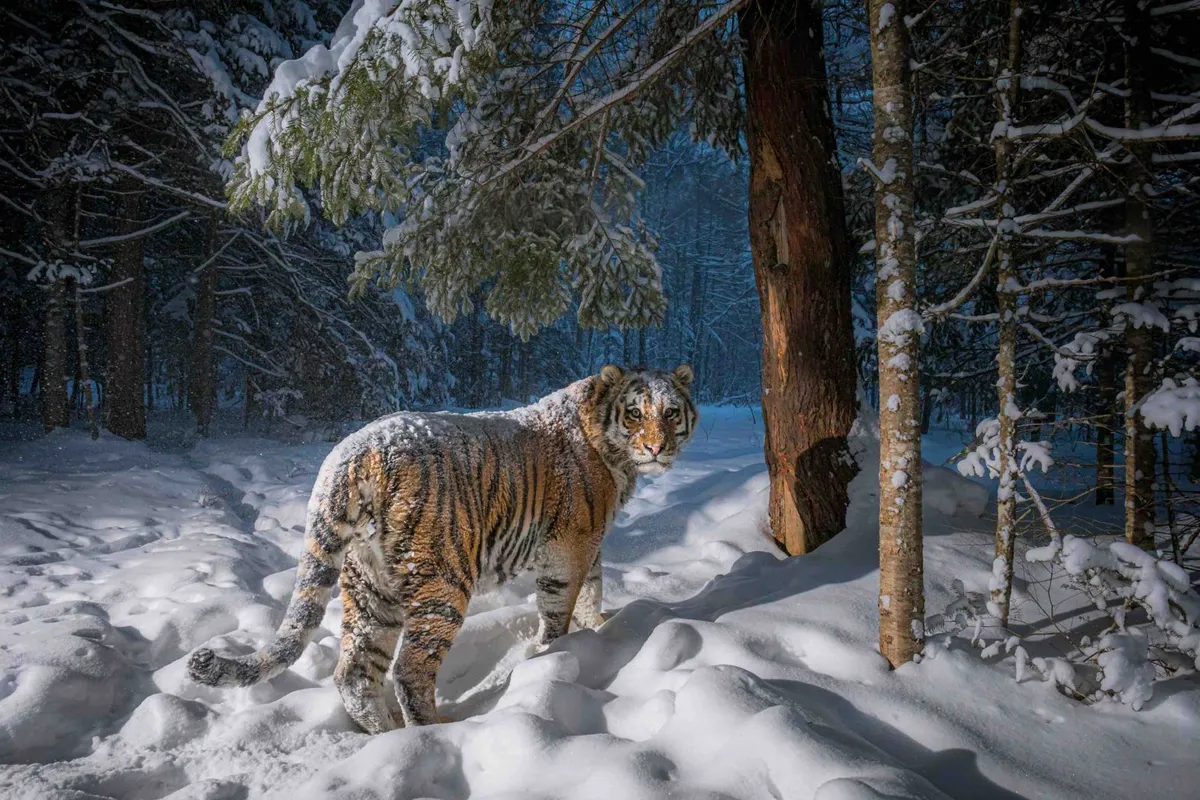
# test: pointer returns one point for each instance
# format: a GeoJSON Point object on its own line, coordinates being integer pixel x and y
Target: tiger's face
{"type": "Point", "coordinates": [652, 415]}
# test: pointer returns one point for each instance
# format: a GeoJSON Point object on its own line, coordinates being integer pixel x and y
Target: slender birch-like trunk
{"type": "Point", "coordinates": [85, 379]}
{"type": "Point", "coordinates": [901, 571]}
{"type": "Point", "coordinates": [1007, 283]}
{"type": "Point", "coordinates": [1139, 262]}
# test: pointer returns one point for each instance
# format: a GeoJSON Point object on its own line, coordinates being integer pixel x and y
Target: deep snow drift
{"type": "Point", "coordinates": [727, 673]}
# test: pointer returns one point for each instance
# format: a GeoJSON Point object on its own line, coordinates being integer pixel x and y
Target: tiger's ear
{"type": "Point", "coordinates": [611, 373]}
{"type": "Point", "coordinates": [683, 373]}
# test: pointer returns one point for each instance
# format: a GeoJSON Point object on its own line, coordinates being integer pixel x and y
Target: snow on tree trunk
{"type": "Point", "coordinates": [1007, 281]}
{"type": "Point", "coordinates": [1139, 261]}
{"type": "Point", "coordinates": [1106, 420]}
{"type": "Point", "coordinates": [202, 393]}
{"type": "Point", "coordinates": [901, 581]}
{"type": "Point", "coordinates": [802, 270]}
{"type": "Point", "coordinates": [124, 390]}
{"type": "Point", "coordinates": [84, 377]}
{"type": "Point", "coordinates": [56, 409]}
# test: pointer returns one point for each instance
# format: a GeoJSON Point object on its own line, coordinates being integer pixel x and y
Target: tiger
{"type": "Point", "coordinates": [415, 511]}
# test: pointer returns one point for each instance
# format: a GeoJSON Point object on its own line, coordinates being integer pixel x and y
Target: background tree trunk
{"type": "Point", "coordinates": [1139, 261]}
{"type": "Point", "coordinates": [1007, 276]}
{"type": "Point", "coordinates": [802, 270]}
{"type": "Point", "coordinates": [901, 570]}
{"type": "Point", "coordinates": [1107, 421]}
{"type": "Point", "coordinates": [56, 407]}
{"type": "Point", "coordinates": [14, 363]}
{"type": "Point", "coordinates": [202, 392]}
{"type": "Point", "coordinates": [125, 393]}
{"type": "Point", "coordinates": [85, 380]}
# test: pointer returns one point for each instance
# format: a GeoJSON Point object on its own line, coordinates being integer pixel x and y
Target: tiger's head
{"type": "Point", "coordinates": [649, 414]}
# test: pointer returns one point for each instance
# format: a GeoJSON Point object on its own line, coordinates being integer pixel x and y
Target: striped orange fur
{"type": "Point", "coordinates": [413, 511]}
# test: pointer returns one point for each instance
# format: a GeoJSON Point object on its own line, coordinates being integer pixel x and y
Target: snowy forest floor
{"type": "Point", "coordinates": [727, 673]}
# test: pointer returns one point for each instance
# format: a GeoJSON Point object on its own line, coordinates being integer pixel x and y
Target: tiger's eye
{"type": "Point", "coordinates": [672, 413]}
{"type": "Point", "coordinates": [633, 413]}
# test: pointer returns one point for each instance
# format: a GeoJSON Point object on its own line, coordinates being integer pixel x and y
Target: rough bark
{"type": "Point", "coordinates": [901, 581]}
{"type": "Point", "coordinates": [802, 271]}
{"type": "Point", "coordinates": [202, 391]}
{"type": "Point", "coordinates": [1139, 261]}
{"type": "Point", "coordinates": [1007, 277]}
{"type": "Point", "coordinates": [124, 391]}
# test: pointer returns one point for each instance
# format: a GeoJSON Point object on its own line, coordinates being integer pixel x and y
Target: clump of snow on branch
{"type": "Point", "coordinates": [1174, 406]}
{"type": "Point", "coordinates": [1122, 579]}
{"type": "Point", "coordinates": [984, 459]}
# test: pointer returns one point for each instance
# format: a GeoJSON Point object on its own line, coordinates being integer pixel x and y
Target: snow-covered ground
{"type": "Point", "coordinates": [727, 673]}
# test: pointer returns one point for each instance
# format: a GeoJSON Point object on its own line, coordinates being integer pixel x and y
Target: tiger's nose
{"type": "Point", "coordinates": [653, 449]}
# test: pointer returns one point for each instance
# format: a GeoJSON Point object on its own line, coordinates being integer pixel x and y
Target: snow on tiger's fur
{"type": "Point", "coordinates": [414, 511]}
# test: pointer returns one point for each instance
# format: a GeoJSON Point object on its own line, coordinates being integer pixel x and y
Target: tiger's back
{"type": "Point", "coordinates": [414, 511]}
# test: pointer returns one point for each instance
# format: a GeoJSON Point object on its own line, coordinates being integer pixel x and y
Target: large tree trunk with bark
{"type": "Point", "coordinates": [1139, 262]}
{"type": "Point", "coordinates": [901, 570]}
{"type": "Point", "coordinates": [1007, 277]}
{"type": "Point", "coordinates": [124, 390]}
{"type": "Point", "coordinates": [802, 270]}
{"type": "Point", "coordinates": [202, 391]}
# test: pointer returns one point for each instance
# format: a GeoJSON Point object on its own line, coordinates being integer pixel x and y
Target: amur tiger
{"type": "Point", "coordinates": [416, 510]}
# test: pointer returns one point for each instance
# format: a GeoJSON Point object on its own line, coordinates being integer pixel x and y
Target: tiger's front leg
{"type": "Point", "coordinates": [561, 572]}
{"type": "Point", "coordinates": [587, 606]}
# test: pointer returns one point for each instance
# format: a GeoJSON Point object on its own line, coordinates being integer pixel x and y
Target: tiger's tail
{"type": "Point", "coordinates": [325, 542]}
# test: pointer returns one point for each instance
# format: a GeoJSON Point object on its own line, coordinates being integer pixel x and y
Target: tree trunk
{"type": "Point", "coordinates": [901, 573]}
{"type": "Point", "coordinates": [56, 408]}
{"type": "Point", "coordinates": [202, 391]}
{"type": "Point", "coordinates": [14, 365]}
{"type": "Point", "coordinates": [126, 406]}
{"type": "Point", "coordinates": [1139, 262]}
{"type": "Point", "coordinates": [802, 270]}
{"type": "Point", "coordinates": [927, 410]}
{"type": "Point", "coordinates": [1106, 421]}
{"type": "Point", "coordinates": [85, 380]}
{"type": "Point", "coordinates": [1007, 276]}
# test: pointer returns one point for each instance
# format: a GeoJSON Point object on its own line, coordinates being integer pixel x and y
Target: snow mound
{"type": "Point", "coordinates": [725, 671]}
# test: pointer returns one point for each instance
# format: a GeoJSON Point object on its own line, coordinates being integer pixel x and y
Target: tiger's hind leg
{"type": "Point", "coordinates": [434, 618]}
{"type": "Point", "coordinates": [369, 637]}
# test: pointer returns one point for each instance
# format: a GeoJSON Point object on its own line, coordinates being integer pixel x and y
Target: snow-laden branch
{"type": "Point", "coordinates": [965, 292]}
{"type": "Point", "coordinates": [625, 93]}
{"type": "Point", "coordinates": [166, 187]}
{"type": "Point", "coordinates": [104, 241]}
{"type": "Point", "coordinates": [33, 262]}
{"type": "Point", "coordinates": [1175, 8]}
